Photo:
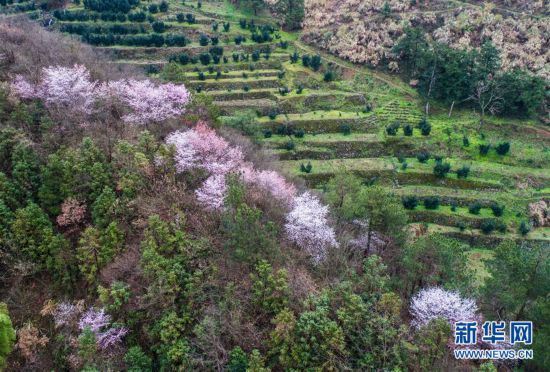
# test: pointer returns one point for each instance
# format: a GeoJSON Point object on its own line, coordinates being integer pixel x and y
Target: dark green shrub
{"type": "Point", "coordinates": [242, 23]}
{"type": "Point", "coordinates": [524, 228]}
{"type": "Point", "coordinates": [461, 225]}
{"type": "Point", "coordinates": [463, 172]}
{"type": "Point", "coordinates": [423, 156]}
{"type": "Point", "coordinates": [246, 88]}
{"type": "Point", "coordinates": [299, 133]}
{"type": "Point", "coordinates": [284, 130]}
{"type": "Point", "coordinates": [216, 59]}
{"type": "Point", "coordinates": [408, 130]}
{"type": "Point", "coordinates": [163, 7]}
{"type": "Point", "coordinates": [306, 60]}
{"type": "Point", "coordinates": [255, 55]}
{"type": "Point", "coordinates": [153, 8]}
{"type": "Point", "coordinates": [500, 226]}
{"type": "Point", "coordinates": [235, 57]}
{"type": "Point", "coordinates": [425, 127]}
{"type": "Point", "coordinates": [205, 58]}
{"type": "Point", "coordinates": [204, 40]}
{"type": "Point", "coordinates": [294, 57]}
{"type": "Point", "coordinates": [201, 76]}
{"type": "Point", "coordinates": [498, 210]}
{"type": "Point", "coordinates": [306, 168]}
{"type": "Point", "coordinates": [215, 40]}
{"type": "Point", "coordinates": [441, 169]}
{"type": "Point", "coordinates": [216, 51]}
{"type": "Point", "coordinates": [273, 114]}
{"type": "Point", "coordinates": [345, 129]}
{"type": "Point", "coordinates": [487, 226]}
{"type": "Point", "coordinates": [283, 44]}
{"type": "Point", "coordinates": [190, 18]}
{"type": "Point", "coordinates": [281, 74]}
{"type": "Point", "coordinates": [392, 129]}
{"type": "Point", "coordinates": [215, 26]}
{"type": "Point", "coordinates": [465, 141]}
{"type": "Point", "coordinates": [484, 149]}
{"type": "Point", "coordinates": [503, 148]}
{"type": "Point", "coordinates": [299, 89]}
{"type": "Point", "coordinates": [453, 206]}
{"type": "Point", "coordinates": [315, 62]}
{"type": "Point", "coordinates": [410, 202]}
{"type": "Point", "coordinates": [474, 208]}
{"type": "Point", "coordinates": [180, 17]}
{"type": "Point", "coordinates": [226, 26]}
{"type": "Point", "coordinates": [158, 27]}
{"type": "Point", "coordinates": [404, 166]}
{"type": "Point", "coordinates": [431, 202]}
{"type": "Point", "coordinates": [290, 145]}
{"type": "Point", "coordinates": [284, 91]}
{"type": "Point", "coordinates": [268, 133]}
{"type": "Point", "coordinates": [239, 39]}
{"type": "Point", "coordinates": [329, 76]}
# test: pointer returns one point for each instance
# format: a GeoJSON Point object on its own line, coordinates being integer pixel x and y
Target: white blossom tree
{"type": "Point", "coordinates": [307, 226]}
{"type": "Point", "coordinates": [436, 302]}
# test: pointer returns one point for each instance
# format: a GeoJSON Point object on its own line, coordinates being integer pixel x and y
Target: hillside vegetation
{"type": "Point", "coordinates": [201, 185]}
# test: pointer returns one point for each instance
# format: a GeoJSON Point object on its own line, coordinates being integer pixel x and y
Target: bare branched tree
{"type": "Point", "coordinates": [486, 96]}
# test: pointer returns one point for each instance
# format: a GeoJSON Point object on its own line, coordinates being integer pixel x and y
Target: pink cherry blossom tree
{"type": "Point", "coordinates": [307, 226]}
{"type": "Point", "coordinates": [150, 103]}
{"type": "Point", "coordinates": [23, 88]}
{"type": "Point", "coordinates": [71, 89]}
{"type": "Point", "coordinates": [436, 302]}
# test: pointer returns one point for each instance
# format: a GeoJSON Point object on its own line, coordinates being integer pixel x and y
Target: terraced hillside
{"type": "Point", "coordinates": [321, 115]}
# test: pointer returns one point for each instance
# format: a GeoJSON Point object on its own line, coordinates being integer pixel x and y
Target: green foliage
{"type": "Point", "coordinates": [270, 290]}
{"type": "Point", "coordinates": [244, 121]}
{"type": "Point", "coordinates": [238, 360]}
{"type": "Point", "coordinates": [423, 156]}
{"type": "Point", "coordinates": [463, 172]}
{"type": "Point", "coordinates": [7, 334]}
{"type": "Point", "coordinates": [137, 361]}
{"type": "Point", "coordinates": [441, 169]}
{"type": "Point", "coordinates": [114, 297]}
{"type": "Point", "coordinates": [430, 345]}
{"type": "Point", "coordinates": [168, 261]}
{"type": "Point", "coordinates": [474, 208]}
{"type": "Point", "coordinates": [503, 148]}
{"type": "Point", "coordinates": [33, 235]}
{"type": "Point", "coordinates": [435, 260]}
{"type": "Point", "coordinates": [484, 149]}
{"type": "Point", "coordinates": [306, 168]}
{"type": "Point", "coordinates": [248, 234]}
{"type": "Point", "coordinates": [431, 202]}
{"type": "Point", "coordinates": [341, 192]}
{"type": "Point", "coordinates": [524, 228]}
{"type": "Point", "coordinates": [103, 209]}
{"type": "Point", "coordinates": [519, 280]}
{"type": "Point", "coordinates": [392, 129]}
{"type": "Point", "coordinates": [410, 202]}
{"type": "Point", "coordinates": [96, 248]}
{"type": "Point", "coordinates": [498, 210]}
{"type": "Point", "coordinates": [87, 346]}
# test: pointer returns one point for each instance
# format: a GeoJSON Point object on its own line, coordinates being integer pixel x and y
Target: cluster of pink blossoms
{"type": "Point", "coordinates": [200, 147]}
{"type": "Point", "coordinates": [71, 89]}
